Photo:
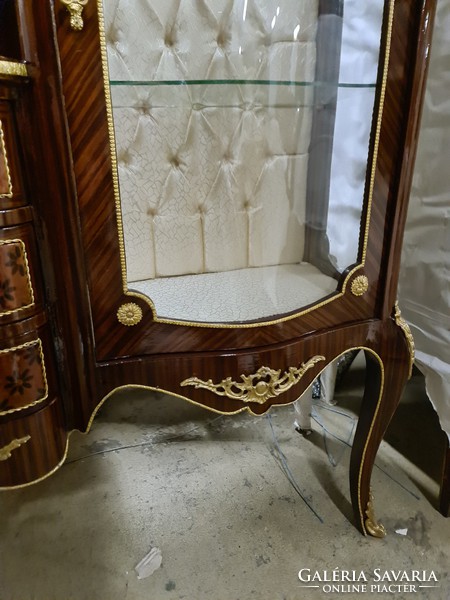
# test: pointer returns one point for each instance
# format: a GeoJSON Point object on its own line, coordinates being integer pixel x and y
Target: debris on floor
{"type": "Point", "coordinates": [149, 564]}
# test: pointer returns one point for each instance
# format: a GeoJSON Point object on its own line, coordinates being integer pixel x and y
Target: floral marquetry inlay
{"type": "Point", "coordinates": [23, 382]}
{"type": "Point", "coordinates": [16, 292]}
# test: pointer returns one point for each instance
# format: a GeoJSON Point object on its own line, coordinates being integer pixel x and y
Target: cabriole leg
{"type": "Point", "coordinates": [386, 375]}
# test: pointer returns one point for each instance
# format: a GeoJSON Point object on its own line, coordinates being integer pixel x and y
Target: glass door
{"type": "Point", "coordinates": [242, 132]}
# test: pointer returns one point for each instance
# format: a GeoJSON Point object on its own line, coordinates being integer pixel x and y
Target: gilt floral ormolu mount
{"type": "Point", "coordinates": [219, 192]}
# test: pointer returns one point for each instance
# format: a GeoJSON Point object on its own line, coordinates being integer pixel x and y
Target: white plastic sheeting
{"type": "Point", "coordinates": [424, 288]}
{"type": "Point", "coordinates": [359, 64]}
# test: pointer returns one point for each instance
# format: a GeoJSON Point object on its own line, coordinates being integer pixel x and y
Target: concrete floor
{"type": "Point", "coordinates": [236, 505]}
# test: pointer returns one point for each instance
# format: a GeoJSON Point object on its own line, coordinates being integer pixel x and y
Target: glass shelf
{"type": "Point", "coordinates": [207, 82]}
{"type": "Point", "coordinates": [244, 94]}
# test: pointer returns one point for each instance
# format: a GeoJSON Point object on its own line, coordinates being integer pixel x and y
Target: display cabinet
{"type": "Point", "coordinates": [221, 190]}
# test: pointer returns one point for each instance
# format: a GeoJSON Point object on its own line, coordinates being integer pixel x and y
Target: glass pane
{"type": "Point", "coordinates": [242, 132]}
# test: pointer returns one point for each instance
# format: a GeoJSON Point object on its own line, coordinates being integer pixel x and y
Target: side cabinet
{"type": "Point", "coordinates": [32, 425]}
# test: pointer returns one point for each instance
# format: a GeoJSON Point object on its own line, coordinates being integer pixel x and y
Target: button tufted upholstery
{"type": "Point", "coordinates": [213, 176]}
{"type": "Point", "coordinates": [213, 173]}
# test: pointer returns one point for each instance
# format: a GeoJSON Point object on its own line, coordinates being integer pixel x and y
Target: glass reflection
{"type": "Point", "coordinates": [242, 133]}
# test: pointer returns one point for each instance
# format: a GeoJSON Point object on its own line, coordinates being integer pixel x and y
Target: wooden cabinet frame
{"type": "Point", "coordinates": [75, 192]}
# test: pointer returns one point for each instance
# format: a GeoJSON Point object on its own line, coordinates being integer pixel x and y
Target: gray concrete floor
{"type": "Point", "coordinates": [236, 505]}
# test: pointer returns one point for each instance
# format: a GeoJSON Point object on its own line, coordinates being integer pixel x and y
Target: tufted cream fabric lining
{"type": "Point", "coordinates": [212, 177]}
{"type": "Point", "coordinates": [215, 194]}
{"type": "Point", "coordinates": [239, 295]}
{"type": "Point", "coordinates": [210, 39]}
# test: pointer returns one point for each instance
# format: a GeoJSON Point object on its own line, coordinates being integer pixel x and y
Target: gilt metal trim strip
{"type": "Point", "coordinates": [13, 68]}
{"type": "Point", "coordinates": [5, 452]}
{"type": "Point", "coordinates": [259, 387]}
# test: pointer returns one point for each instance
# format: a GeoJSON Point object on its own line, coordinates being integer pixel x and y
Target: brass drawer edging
{"type": "Point", "coordinates": [5, 452]}
{"type": "Point", "coordinates": [17, 69]}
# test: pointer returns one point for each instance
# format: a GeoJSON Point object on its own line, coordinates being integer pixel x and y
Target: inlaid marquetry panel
{"type": "Point", "coordinates": [23, 380]}
{"type": "Point", "coordinates": [16, 291]}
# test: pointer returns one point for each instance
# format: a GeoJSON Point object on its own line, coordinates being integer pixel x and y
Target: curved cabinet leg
{"type": "Point", "coordinates": [386, 375]}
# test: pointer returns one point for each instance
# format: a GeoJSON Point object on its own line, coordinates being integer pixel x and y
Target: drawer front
{"type": "Point", "coordinates": [20, 292]}
{"type": "Point", "coordinates": [23, 379]}
{"type": "Point", "coordinates": [16, 291]}
{"type": "Point", "coordinates": [32, 447]}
